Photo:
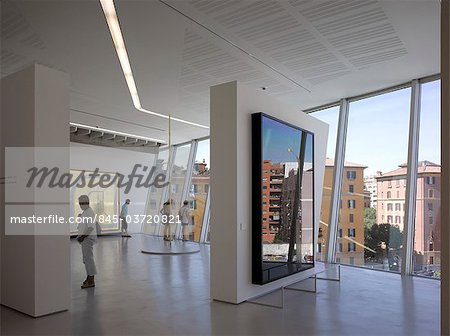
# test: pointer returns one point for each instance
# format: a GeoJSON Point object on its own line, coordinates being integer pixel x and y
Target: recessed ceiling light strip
{"type": "Point", "coordinates": [120, 120]}
{"type": "Point", "coordinates": [119, 44]}
{"type": "Point", "coordinates": [100, 129]}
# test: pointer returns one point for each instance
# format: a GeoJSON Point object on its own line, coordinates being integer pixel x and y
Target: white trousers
{"type": "Point", "coordinates": [87, 249]}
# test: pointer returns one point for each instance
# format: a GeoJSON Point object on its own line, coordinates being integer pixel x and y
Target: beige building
{"type": "Point", "coordinates": [391, 209]}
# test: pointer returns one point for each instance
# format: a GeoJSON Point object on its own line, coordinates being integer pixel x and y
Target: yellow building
{"type": "Point", "coordinates": [350, 240]}
{"type": "Point", "coordinates": [198, 194]}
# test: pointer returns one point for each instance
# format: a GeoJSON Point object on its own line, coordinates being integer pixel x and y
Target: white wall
{"type": "Point", "coordinates": [231, 107]}
{"type": "Point", "coordinates": [36, 268]}
{"type": "Point", "coordinates": [115, 160]}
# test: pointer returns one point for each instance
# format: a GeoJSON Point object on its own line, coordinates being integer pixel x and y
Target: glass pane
{"type": "Point", "coordinates": [154, 203]}
{"type": "Point", "coordinates": [374, 182]}
{"type": "Point", "coordinates": [427, 239]}
{"type": "Point", "coordinates": [177, 179]}
{"type": "Point", "coordinates": [330, 116]}
{"type": "Point", "coordinates": [199, 188]}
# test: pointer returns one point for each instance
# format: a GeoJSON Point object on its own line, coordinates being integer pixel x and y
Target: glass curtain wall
{"type": "Point", "coordinates": [184, 185]}
{"type": "Point", "coordinates": [177, 180]}
{"type": "Point", "coordinates": [151, 225]}
{"type": "Point", "coordinates": [199, 188]}
{"type": "Point", "coordinates": [427, 238]}
{"type": "Point", "coordinates": [330, 116]}
{"type": "Point", "coordinates": [372, 203]}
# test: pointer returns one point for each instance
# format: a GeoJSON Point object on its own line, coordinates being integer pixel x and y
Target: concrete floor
{"type": "Point", "coordinates": [140, 294]}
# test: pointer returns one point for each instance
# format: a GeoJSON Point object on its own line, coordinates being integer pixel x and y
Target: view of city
{"type": "Point", "coordinates": [373, 197]}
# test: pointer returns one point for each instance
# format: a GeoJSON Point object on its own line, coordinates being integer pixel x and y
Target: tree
{"type": "Point", "coordinates": [382, 233]}
{"type": "Point", "coordinates": [370, 217]}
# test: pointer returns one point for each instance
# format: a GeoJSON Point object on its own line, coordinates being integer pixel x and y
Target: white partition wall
{"type": "Point", "coordinates": [231, 107]}
{"type": "Point", "coordinates": [35, 269]}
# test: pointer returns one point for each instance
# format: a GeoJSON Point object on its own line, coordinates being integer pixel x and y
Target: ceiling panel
{"type": "Point", "coordinates": [305, 53]}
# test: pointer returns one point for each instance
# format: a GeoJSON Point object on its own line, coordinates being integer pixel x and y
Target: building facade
{"type": "Point", "coordinates": [370, 185]}
{"type": "Point", "coordinates": [350, 240]}
{"type": "Point", "coordinates": [391, 208]}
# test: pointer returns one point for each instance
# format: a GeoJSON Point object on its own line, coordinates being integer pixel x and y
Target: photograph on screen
{"type": "Point", "coordinates": [285, 226]}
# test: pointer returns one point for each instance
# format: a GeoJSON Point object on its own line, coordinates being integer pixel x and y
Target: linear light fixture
{"type": "Point", "coordinates": [99, 129]}
{"type": "Point", "coordinates": [116, 34]}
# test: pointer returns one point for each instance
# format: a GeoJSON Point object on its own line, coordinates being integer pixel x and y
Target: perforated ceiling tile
{"type": "Point", "coordinates": [375, 46]}
{"type": "Point", "coordinates": [10, 61]}
{"type": "Point", "coordinates": [323, 70]}
{"type": "Point", "coordinates": [213, 6]}
{"type": "Point", "coordinates": [267, 28]}
{"type": "Point", "coordinates": [285, 40]}
{"type": "Point", "coordinates": [349, 22]}
{"type": "Point", "coordinates": [362, 35]}
{"type": "Point", "coordinates": [359, 30]}
{"type": "Point", "coordinates": [298, 52]}
{"type": "Point", "coordinates": [378, 57]}
{"type": "Point", "coordinates": [199, 50]}
{"type": "Point", "coordinates": [230, 69]}
{"type": "Point", "coordinates": [192, 79]}
{"type": "Point", "coordinates": [307, 62]}
{"type": "Point", "coordinates": [249, 78]}
{"type": "Point", "coordinates": [251, 12]}
{"type": "Point", "coordinates": [279, 89]}
{"type": "Point", "coordinates": [326, 78]}
{"type": "Point", "coordinates": [205, 64]}
{"type": "Point", "coordinates": [15, 27]}
{"type": "Point", "coordinates": [320, 10]}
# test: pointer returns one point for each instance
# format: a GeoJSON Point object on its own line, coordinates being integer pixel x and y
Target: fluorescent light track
{"type": "Point", "coordinates": [99, 129]}
{"type": "Point", "coordinates": [119, 44]}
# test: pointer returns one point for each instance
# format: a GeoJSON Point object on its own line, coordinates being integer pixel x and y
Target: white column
{"type": "Point", "coordinates": [445, 174]}
{"type": "Point", "coordinates": [35, 277]}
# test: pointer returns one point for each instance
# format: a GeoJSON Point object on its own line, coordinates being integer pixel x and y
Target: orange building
{"type": "Point", "coordinates": [198, 194]}
{"type": "Point", "coordinates": [273, 175]}
{"type": "Point", "coordinates": [350, 240]}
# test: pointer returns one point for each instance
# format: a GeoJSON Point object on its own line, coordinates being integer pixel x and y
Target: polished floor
{"type": "Point", "coordinates": [142, 294]}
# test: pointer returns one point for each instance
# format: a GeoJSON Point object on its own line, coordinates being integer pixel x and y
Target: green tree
{"type": "Point", "coordinates": [382, 233]}
{"type": "Point", "coordinates": [370, 217]}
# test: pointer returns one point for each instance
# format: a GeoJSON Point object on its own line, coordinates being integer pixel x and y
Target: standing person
{"type": "Point", "coordinates": [87, 237]}
{"type": "Point", "coordinates": [185, 215]}
{"type": "Point", "coordinates": [167, 212]}
{"type": "Point", "coordinates": [123, 218]}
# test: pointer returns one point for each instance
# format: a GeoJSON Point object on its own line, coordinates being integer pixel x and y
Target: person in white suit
{"type": "Point", "coordinates": [87, 237]}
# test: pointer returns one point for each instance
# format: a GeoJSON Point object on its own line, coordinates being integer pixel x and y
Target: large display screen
{"type": "Point", "coordinates": [282, 199]}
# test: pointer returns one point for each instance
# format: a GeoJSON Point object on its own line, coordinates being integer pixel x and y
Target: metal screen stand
{"type": "Point", "coordinates": [321, 277]}
{"type": "Point", "coordinates": [282, 289]}
{"type": "Point", "coordinates": [251, 300]}
{"type": "Point", "coordinates": [293, 287]}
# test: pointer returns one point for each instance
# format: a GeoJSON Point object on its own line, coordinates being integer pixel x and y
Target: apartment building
{"type": "Point", "coordinates": [391, 208]}
{"type": "Point", "coordinates": [350, 242]}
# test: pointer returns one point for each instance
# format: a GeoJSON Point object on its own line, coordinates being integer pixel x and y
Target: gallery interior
{"type": "Point", "coordinates": [255, 167]}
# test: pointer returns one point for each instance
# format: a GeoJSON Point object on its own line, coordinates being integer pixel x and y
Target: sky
{"type": "Point", "coordinates": [278, 138]}
{"type": "Point", "coordinates": [203, 152]}
{"type": "Point", "coordinates": [377, 135]}
{"type": "Point", "coordinates": [378, 127]}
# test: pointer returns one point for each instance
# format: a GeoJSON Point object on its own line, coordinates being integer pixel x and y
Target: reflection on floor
{"type": "Point", "coordinates": [139, 294]}
{"type": "Point", "coordinates": [156, 245]}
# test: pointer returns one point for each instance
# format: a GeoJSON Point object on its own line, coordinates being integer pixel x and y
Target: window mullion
{"type": "Point", "coordinates": [411, 180]}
